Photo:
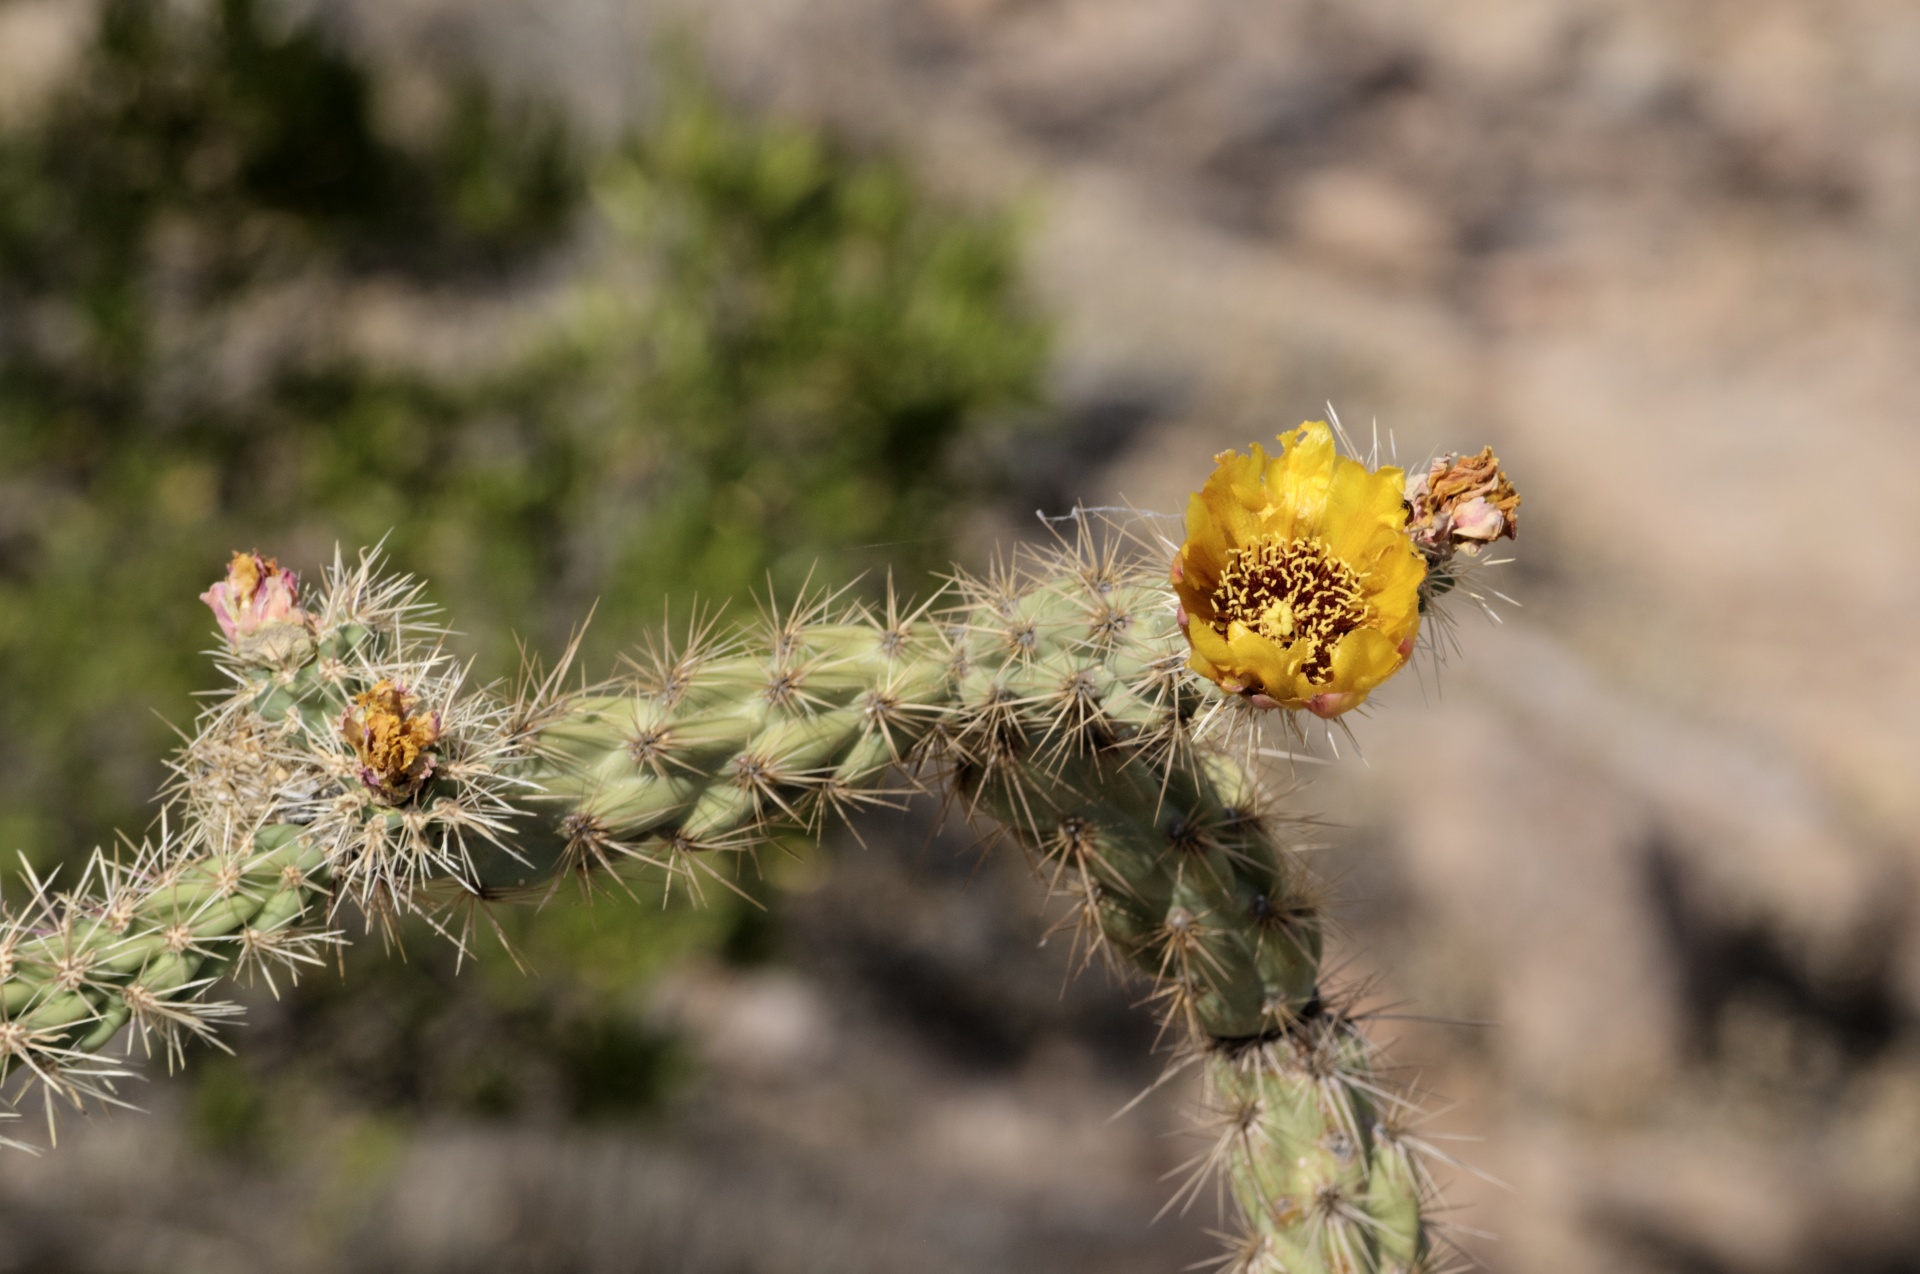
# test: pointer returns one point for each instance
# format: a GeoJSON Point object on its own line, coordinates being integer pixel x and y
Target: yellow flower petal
{"type": "Point", "coordinates": [1209, 644]}
{"type": "Point", "coordinates": [1261, 663]}
{"type": "Point", "coordinates": [1363, 659]}
{"type": "Point", "coordinates": [1303, 479]}
{"type": "Point", "coordinates": [1365, 513]}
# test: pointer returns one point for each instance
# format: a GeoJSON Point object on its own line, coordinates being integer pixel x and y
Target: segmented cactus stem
{"type": "Point", "coordinates": [350, 763]}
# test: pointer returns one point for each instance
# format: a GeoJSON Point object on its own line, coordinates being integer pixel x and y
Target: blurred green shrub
{"type": "Point", "coordinates": [695, 359]}
{"type": "Point", "coordinates": [799, 344]}
{"type": "Point", "coordinates": [194, 175]}
{"type": "Point", "coordinates": [772, 352]}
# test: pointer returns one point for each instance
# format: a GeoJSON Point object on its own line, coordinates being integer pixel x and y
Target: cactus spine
{"type": "Point", "coordinates": [350, 762]}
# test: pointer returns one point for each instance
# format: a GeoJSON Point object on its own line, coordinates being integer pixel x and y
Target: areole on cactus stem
{"type": "Point", "coordinates": [1100, 700]}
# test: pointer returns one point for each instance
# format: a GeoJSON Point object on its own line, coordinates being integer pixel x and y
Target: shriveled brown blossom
{"type": "Point", "coordinates": [393, 740]}
{"type": "Point", "coordinates": [1461, 503]}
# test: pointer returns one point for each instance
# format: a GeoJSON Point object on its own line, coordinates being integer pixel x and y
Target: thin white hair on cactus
{"type": "Point", "coordinates": [43, 949]}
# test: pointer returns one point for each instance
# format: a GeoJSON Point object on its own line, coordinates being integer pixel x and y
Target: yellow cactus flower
{"type": "Point", "coordinates": [1299, 585]}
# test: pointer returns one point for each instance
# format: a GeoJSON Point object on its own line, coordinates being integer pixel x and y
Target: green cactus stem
{"type": "Point", "coordinates": [350, 762]}
{"type": "Point", "coordinates": [140, 943]}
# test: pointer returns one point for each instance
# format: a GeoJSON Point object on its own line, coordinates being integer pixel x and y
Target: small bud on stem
{"type": "Point", "coordinates": [1461, 503]}
{"type": "Point", "coordinates": [257, 606]}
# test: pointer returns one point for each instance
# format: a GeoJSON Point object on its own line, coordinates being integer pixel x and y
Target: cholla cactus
{"type": "Point", "coordinates": [1101, 702]}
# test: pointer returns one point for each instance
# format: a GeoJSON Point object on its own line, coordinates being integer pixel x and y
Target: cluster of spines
{"type": "Point", "coordinates": [714, 744]}
{"type": "Point", "coordinates": [137, 942]}
{"type": "Point", "coordinates": [1317, 1154]}
{"type": "Point", "coordinates": [285, 719]}
{"type": "Point", "coordinates": [266, 830]}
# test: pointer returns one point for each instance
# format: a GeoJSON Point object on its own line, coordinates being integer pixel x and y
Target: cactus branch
{"type": "Point", "coordinates": [1064, 698]}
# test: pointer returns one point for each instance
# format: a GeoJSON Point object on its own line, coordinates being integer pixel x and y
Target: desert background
{"type": "Point", "coordinates": [1643, 852]}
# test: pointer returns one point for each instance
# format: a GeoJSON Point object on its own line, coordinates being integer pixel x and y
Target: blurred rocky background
{"type": "Point", "coordinates": [611, 298]}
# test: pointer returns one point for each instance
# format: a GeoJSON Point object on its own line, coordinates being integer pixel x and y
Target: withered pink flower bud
{"type": "Point", "coordinates": [1461, 503]}
{"type": "Point", "coordinates": [393, 739]}
{"type": "Point", "coordinates": [1479, 520]}
{"type": "Point", "coordinates": [257, 605]}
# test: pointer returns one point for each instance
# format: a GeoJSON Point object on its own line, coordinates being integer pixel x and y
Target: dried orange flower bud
{"type": "Point", "coordinates": [257, 606]}
{"type": "Point", "coordinates": [392, 740]}
{"type": "Point", "coordinates": [1461, 503]}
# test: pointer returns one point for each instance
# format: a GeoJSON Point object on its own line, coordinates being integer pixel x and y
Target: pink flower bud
{"type": "Point", "coordinates": [257, 605]}
{"type": "Point", "coordinates": [1461, 502]}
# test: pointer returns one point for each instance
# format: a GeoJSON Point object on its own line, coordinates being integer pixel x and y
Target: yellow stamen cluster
{"type": "Point", "coordinates": [1288, 591]}
{"type": "Point", "coordinates": [244, 573]}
